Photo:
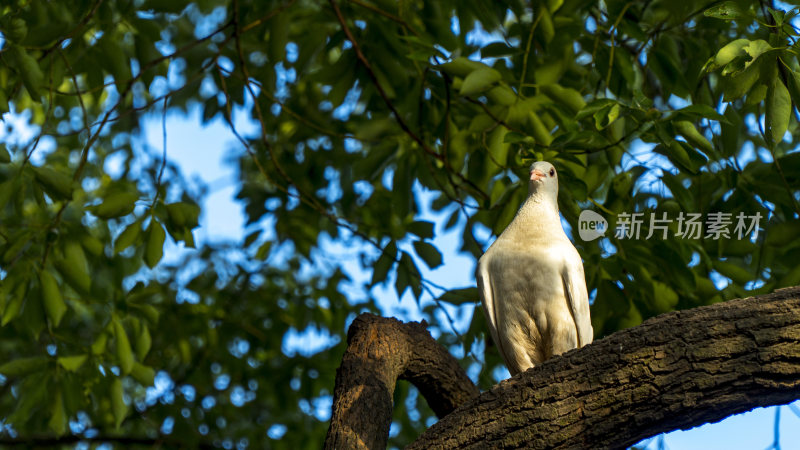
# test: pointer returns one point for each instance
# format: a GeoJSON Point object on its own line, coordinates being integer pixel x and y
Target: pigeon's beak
{"type": "Point", "coordinates": [536, 175]}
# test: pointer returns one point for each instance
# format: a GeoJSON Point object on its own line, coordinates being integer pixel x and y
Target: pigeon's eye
{"type": "Point", "coordinates": [552, 172]}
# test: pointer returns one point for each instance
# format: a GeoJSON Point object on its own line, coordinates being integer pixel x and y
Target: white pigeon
{"type": "Point", "coordinates": [531, 281]}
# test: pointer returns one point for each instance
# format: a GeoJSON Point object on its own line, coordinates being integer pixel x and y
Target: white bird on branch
{"type": "Point", "coordinates": [531, 281]}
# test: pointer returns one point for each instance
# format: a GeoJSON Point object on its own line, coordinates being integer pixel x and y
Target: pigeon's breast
{"type": "Point", "coordinates": [526, 282]}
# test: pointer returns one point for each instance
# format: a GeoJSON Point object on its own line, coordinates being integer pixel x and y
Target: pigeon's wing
{"type": "Point", "coordinates": [577, 298]}
{"type": "Point", "coordinates": [484, 278]}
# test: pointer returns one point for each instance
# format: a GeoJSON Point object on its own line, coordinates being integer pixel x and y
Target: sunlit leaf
{"type": "Point", "coordinates": [123, 348]}
{"type": "Point", "coordinates": [778, 110]}
{"type": "Point", "coordinates": [72, 363]}
{"type": "Point", "coordinates": [54, 304]}
{"type": "Point", "coordinates": [155, 236]}
{"type": "Point", "coordinates": [725, 10]}
{"type": "Point", "coordinates": [115, 205]}
{"type": "Point", "coordinates": [479, 80]}
{"type": "Point", "coordinates": [118, 406]}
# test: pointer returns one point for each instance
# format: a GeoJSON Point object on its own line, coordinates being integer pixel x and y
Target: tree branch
{"type": "Point", "coordinates": [674, 371]}
{"type": "Point", "coordinates": [379, 352]}
{"type": "Point", "coordinates": [678, 370]}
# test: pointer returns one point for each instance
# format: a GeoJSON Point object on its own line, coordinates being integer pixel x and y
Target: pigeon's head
{"type": "Point", "coordinates": [544, 179]}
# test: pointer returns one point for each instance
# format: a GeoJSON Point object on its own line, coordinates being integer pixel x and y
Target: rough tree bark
{"type": "Point", "coordinates": [677, 370]}
{"type": "Point", "coordinates": [379, 352]}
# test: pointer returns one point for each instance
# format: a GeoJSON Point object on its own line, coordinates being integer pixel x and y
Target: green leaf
{"type": "Point", "coordinates": [74, 267]}
{"type": "Point", "coordinates": [92, 244]}
{"type": "Point", "coordinates": [496, 49]}
{"type": "Point", "coordinates": [778, 111]}
{"type": "Point", "coordinates": [479, 81]}
{"type": "Point", "coordinates": [567, 97]}
{"type": "Point", "coordinates": [428, 253]}
{"type": "Point", "coordinates": [58, 416]}
{"type": "Point", "coordinates": [128, 237]}
{"type": "Point", "coordinates": [632, 318]}
{"type": "Point", "coordinates": [793, 85]}
{"type": "Point", "coordinates": [15, 302]}
{"type": "Point", "coordinates": [54, 305]}
{"type": "Point", "coordinates": [3, 102]}
{"type": "Point", "coordinates": [701, 111]}
{"type": "Point", "coordinates": [460, 296]}
{"type": "Point", "coordinates": [123, 348]}
{"type": "Point", "coordinates": [513, 137]}
{"type": "Point", "coordinates": [407, 276]}
{"type": "Point", "coordinates": [539, 130]}
{"type": "Point", "coordinates": [792, 277]}
{"type": "Point", "coordinates": [498, 149]}
{"type": "Point", "coordinates": [23, 366]}
{"type": "Point", "coordinates": [755, 49]}
{"type": "Point", "coordinates": [606, 116]}
{"type": "Point", "coordinates": [782, 234]}
{"type": "Point", "coordinates": [143, 342]}
{"type": "Point", "coordinates": [461, 66]}
{"type": "Point", "coordinates": [546, 31]}
{"type": "Point", "coordinates": [148, 311]}
{"type": "Point", "coordinates": [8, 189]}
{"type": "Point", "coordinates": [756, 95]}
{"type": "Point", "coordinates": [278, 37]}
{"type": "Point", "coordinates": [5, 158]}
{"type": "Point", "coordinates": [155, 243]}
{"type": "Point", "coordinates": [501, 95]}
{"type": "Point", "coordinates": [593, 107]}
{"type": "Point", "coordinates": [182, 217]}
{"type": "Point", "coordinates": [72, 363]}
{"type": "Point", "coordinates": [729, 137]}
{"type": "Point", "coordinates": [56, 184]}
{"type": "Point", "coordinates": [118, 407]}
{"type": "Point", "coordinates": [16, 29]}
{"type": "Point", "coordinates": [36, 389]}
{"type": "Point", "coordinates": [739, 84]}
{"type": "Point", "coordinates": [680, 193]}
{"type": "Point", "coordinates": [692, 136]}
{"type": "Point", "coordinates": [114, 58]}
{"type": "Point", "coordinates": [726, 11]}
{"type": "Point", "coordinates": [183, 214]}
{"type": "Point", "coordinates": [728, 53]}
{"type": "Point", "coordinates": [263, 250]}
{"type": "Point", "coordinates": [677, 154]}
{"type": "Point", "coordinates": [421, 228]}
{"type": "Point", "coordinates": [99, 344]}
{"type": "Point", "coordinates": [29, 70]}
{"type": "Point", "coordinates": [385, 262]}
{"type": "Point", "coordinates": [115, 205]}
{"type": "Point", "coordinates": [251, 237]}
{"type": "Point", "coordinates": [16, 247]}
{"type": "Point", "coordinates": [143, 374]}
{"type": "Point", "coordinates": [733, 271]}
{"type": "Point", "coordinates": [664, 297]}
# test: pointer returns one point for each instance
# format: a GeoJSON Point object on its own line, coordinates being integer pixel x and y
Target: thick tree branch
{"type": "Point", "coordinates": [379, 352]}
{"type": "Point", "coordinates": [677, 370]}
